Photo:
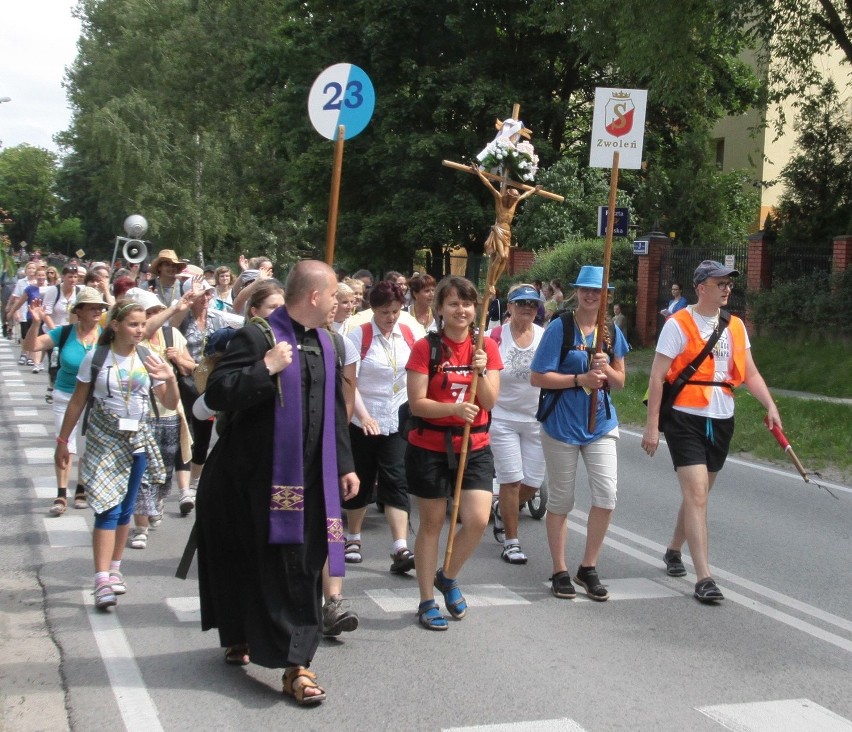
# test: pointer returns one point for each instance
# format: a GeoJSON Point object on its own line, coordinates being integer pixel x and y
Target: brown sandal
{"type": "Point", "coordinates": [237, 655]}
{"type": "Point", "coordinates": [297, 692]}
{"type": "Point", "coordinates": [58, 507]}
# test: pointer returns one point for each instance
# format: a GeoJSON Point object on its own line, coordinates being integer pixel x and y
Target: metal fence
{"type": "Point", "coordinates": [679, 263]}
{"type": "Point", "coordinates": [792, 262]}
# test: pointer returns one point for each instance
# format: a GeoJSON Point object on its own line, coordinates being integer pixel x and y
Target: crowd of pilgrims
{"type": "Point", "coordinates": [150, 365]}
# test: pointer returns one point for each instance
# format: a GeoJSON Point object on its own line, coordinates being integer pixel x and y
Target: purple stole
{"type": "Point", "coordinates": [287, 500]}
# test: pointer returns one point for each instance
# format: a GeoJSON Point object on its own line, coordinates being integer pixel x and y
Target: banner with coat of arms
{"type": "Point", "coordinates": [618, 126]}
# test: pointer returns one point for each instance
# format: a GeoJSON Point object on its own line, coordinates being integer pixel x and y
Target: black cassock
{"type": "Point", "coordinates": [269, 596]}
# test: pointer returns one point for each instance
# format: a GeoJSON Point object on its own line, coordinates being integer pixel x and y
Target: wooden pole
{"type": "Point", "coordinates": [331, 231]}
{"type": "Point", "coordinates": [474, 383]}
{"type": "Point", "coordinates": [599, 339]}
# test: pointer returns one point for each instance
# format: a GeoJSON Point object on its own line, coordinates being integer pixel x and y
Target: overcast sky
{"type": "Point", "coordinates": [38, 40]}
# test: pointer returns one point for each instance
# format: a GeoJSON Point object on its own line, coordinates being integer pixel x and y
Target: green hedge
{"type": "Point", "coordinates": [816, 305]}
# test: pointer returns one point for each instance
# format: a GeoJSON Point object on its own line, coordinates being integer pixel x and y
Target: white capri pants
{"type": "Point", "coordinates": [601, 465]}
{"type": "Point", "coordinates": [516, 447]}
{"type": "Point", "coordinates": [60, 404]}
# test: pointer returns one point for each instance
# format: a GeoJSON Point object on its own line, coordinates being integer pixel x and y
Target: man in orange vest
{"type": "Point", "coordinates": [700, 424]}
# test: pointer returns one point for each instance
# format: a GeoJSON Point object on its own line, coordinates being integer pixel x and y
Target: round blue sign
{"type": "Point", "coordinates": [341, 95]}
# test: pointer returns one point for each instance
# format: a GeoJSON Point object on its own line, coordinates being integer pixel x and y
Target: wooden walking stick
{"type": "Point", "coordinates": [474, 383]}
{"type": "Point", "coordinates": [599, 337]}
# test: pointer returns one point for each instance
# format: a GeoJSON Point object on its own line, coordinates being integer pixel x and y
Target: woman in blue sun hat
{"type": "Point", "coordinates": [567, 368]}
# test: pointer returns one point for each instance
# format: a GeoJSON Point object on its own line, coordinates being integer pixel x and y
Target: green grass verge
{"type": "Point", "coordinates": [820, 432]}
{"type": "Point", "coordinates": [820, 367]}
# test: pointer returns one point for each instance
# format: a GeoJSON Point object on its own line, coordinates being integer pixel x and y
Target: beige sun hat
{"type": "Point", "coordinates": [166, 255]}
{"type": "Point", "coordinates": [89, 296]}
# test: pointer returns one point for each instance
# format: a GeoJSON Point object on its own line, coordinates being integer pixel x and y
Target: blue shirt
{"type": "Point", "coordinates": [569, 421]}
{"type": "Point", "coordinates": [71, 356]}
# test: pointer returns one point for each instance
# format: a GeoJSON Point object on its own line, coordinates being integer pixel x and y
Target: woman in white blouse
{"type": "Point", "coordinates": [379, 449]}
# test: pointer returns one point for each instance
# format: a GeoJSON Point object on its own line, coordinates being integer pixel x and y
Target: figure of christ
{"type": "Point", "coordinates": [500, 238]}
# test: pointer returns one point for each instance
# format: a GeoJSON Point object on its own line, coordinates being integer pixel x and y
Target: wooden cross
{"type": "Point", "coordinates": [505, 201]}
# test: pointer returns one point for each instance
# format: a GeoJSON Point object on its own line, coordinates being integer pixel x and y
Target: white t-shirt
{"type": "Point", "coordinates": [59, 309]}
{"type": "Point", "coordinates": [21, 285]}
{"type": "Point", "coordinates": [518, 400]}
{"type": "Point", "coordinates": [382, 376]}
{"type": "Point", "coordinates": [673, 341]}
{"type": "Point", "coordinates": [122, 383]}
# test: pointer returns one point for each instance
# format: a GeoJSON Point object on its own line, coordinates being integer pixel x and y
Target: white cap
{"type": "Point", "coordinates": [201, 411]}
{"type": "Point", "coordinates": [145, 298]}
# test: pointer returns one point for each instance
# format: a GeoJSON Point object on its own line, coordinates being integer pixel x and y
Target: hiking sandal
{"type": "Point", "coordinates": [453, 598]}
{"type": "Point", "coordinates": [297, 691]}
{"type": "Point", "coordinates": [513, 554]}
{"type": "Point", "coordinates": [352, 552]}
{"type": "Point", "coordinates": [430, 617]}
{"type": "Point", "coordinates": [58, 507]}
{"type": "Point", "coordinates": [561, 587]}
{"type": "Point", "coordinates": [588, 579]}
{"type": "Point", "coordinates": [237, 655]}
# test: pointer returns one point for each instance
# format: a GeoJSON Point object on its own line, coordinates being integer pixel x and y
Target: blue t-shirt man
{"type": "Point", "coordinates": [569, 420]}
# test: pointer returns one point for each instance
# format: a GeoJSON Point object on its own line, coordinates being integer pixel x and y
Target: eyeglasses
{"type": "Point", "coordinates": [729, 285]}
{"type": "Point", "coordinates": [526, 303]}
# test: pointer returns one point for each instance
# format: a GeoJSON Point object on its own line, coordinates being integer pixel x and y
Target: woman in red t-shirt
{"type": "Point", "coordinates": [438, 401]}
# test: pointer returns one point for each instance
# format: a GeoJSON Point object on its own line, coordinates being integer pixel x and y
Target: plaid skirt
{"type": "Point", "coordinates": [105, 467]}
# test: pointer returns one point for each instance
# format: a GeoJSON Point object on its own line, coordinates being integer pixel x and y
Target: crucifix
{"type": "Point", "coordinates": [506, 200]}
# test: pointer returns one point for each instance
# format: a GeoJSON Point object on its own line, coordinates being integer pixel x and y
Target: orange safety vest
{"type": "Point", "coordinates": [695, 395]}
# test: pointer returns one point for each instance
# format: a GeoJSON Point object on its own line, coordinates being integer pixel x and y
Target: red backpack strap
{"type": "Point", "coordinates": [366, 338]}
{"type": "Point", "coordinates": [497, 335]}
{"type": "Point", "coordinates": [407, 334]}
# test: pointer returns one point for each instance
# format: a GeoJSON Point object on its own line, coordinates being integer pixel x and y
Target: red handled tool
{"type": "Point", "coordinates": [779, 435]}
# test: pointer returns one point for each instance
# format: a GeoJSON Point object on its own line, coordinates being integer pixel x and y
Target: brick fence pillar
{"type": "Point", "coordinates": [520, 260]}
{"type": "Point", "coordinates": [842, 257]}
{"type": "Point", "coordinates": [759, 269]}
{"type": "Point", "coordinates": [759, 261]}
{"type": "Point", "coordinates": [648, 287]}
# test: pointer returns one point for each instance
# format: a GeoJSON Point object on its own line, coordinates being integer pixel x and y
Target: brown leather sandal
{"type": "Point", "coordinates": [297, 691]}
{"type": "Point", "coordinates": [237, 655]}
{"type": "Point", "coordinates": [58, 507]}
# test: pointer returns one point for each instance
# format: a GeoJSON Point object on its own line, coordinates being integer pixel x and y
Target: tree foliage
{"type": "Point", "coordinates": [193, 113]}
{"type": "Point", "coordinates": [26, 189]}
{"type": "Point", "coordinates": [817, 200]}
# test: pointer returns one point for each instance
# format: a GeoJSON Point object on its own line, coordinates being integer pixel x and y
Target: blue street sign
{"type": "Point", "coordinates": [622, 221]}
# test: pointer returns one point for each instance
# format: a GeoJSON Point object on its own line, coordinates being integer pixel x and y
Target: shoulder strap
{"type": "Point", "coordinates": [407, 334]}
{"type": "Point", "coordinates": [434, 339]}
{"type": "Point", "coordinates": [98, 359]}
{"type": "Point", "coordinates": [58, 294]}
{"type": "Point", "coordinates": [366, 338]}
{"type": "Point", "coordinates": [567, 318]}
{"type": "Point", "coordinates": [168, 336]}
{"type": "Point", "coordinates": [63, 337]}
{"type": "Point", "coordinates": [339, 348]}
{"type": "Point", "coordinates": [497, 335]}
{"type": "Point", "coordinates": [684, 376]}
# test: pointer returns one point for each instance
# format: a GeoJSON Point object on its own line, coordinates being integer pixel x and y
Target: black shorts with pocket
{"type": "Point", "coordinates": [430, 475]}
{"type": "Point", "coordinates": [379, 459]}
{"type": "Point", "coordinates": [696, 440]}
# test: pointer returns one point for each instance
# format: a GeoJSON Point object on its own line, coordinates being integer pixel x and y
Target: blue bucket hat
{"type": "Point", "coordinates": [591, 277]}
{"type": "Point", "coordinates": [525, 292]}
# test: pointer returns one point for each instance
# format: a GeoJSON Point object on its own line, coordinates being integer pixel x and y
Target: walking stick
{"type": "Point", "coordinates": [474, 383]}
{"type": "Point", "coordinates": [779, 435]}
{"type": "Point", "coordinates": [599, 337]}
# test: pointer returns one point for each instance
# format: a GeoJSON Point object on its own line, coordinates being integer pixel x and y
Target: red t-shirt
{"type": "Point", "coordinates": [450, 387]}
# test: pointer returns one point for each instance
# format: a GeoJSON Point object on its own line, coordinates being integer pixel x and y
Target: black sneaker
{"type": "Point", "coordinates": [561, 587]}
{"type": "Point", "coordinates": [706, 591]}
{"type": "Point", "coordinates": [674, 563]}
{"type": "Point", "coordinates": [587, 578]}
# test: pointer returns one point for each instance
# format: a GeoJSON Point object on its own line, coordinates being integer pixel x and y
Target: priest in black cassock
{"type": "Point", "coordinates": [269, 497]}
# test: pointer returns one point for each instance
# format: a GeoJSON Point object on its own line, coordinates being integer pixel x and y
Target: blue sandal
{"type": "Point", "coordinates": [430, 616]}
{"type": "Point", "coordinates": [456, 604]}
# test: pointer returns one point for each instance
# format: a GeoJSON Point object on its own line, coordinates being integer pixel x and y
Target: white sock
{"type": "Point", "coordinates": [101, 578]}
{"type": "Point", "coordinates": [399, 544]}
{"type": "Point", "coordinates": [508, 542]}
{"type": "Point", "coordinates": [353, 537]}
{"type": "Point", "coordinates": [115, 566]}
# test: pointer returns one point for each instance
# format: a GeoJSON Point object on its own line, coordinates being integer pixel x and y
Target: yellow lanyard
{"type": "Point", "coordinates": [391, 356]}
{"type": "Point", "coordinates": [124, 394]}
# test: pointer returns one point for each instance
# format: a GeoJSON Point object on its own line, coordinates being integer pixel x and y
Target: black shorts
{"type": "Point", "coordinates": [430, 476]}
{"type": "Point", "coordinates": [382, 457]}
{"type": "Point", "coordinates": [696, 440]}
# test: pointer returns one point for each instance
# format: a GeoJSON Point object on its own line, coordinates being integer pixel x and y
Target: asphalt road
{"type": "Point", "coordinates": [776, 655]}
